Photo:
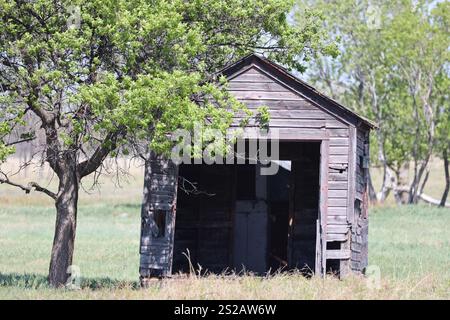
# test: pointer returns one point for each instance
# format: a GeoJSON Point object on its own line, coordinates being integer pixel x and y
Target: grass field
{"type": "Point", "coordinates": [409, 254]}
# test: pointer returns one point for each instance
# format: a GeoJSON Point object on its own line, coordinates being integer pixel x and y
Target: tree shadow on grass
{"type": "Point", "coordinates": [39, 281]}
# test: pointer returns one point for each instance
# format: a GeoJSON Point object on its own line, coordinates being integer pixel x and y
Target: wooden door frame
{"type": "Point", "coordinates": [323, 207]}
{"type": "Point", "coordinates": [323, 202]}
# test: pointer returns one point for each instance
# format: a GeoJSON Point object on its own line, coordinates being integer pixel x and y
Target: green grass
{"type": "Point", "coordinates": [106, 244]}
{"type": "Point", "coordinates": [408, 252]}
{"type": "Point", "coordinates": [408, 245]}
{"type": "Point", "coordinates": [410, 241]}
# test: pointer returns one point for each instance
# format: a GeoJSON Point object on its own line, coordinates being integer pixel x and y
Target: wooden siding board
{"type": "Point", "coordinates": [337, 202]}
{"type": "Point", "coordinates": [341, 229]}
{"type": "Point", "coordinates": [332, 237]}
{"type": "Point", "coordinates": [283, 105]}
{"type": "Point", "coordinates": [267, 86]}
{"type": "Point", "coordinates": [337, 141]}
{"type": "Point", "coordinates": [339, 150]}
{"type": "Point", "coordinates": [338, 185]}
{"type": "Point", "coordinates": [337, 211]}
{"type": "Point", "coordinates": [337, 194]}
{"type": "Point", "coordinates": [264, 95]}
{"type": "Point", "coordinates": [338, 254]}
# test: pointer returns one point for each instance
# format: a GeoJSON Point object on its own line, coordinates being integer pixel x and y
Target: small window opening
{"type": "Point", "coordinates": [160, 221]}
{"type": "Point", "coordinates": [358, 209]}
{"type": "Point", "coordinates": [333, 265]}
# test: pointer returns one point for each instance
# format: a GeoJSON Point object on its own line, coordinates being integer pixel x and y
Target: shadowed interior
{"type": "Point", "coordinates": [230, 217]}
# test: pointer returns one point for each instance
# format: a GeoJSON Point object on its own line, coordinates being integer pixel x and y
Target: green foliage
{"type": "Point", "coordinates": [263, 116]}
{"type": "Point", "coordinates": [390, 72]}
{"type": "Point", "coordinates": [107, 70]}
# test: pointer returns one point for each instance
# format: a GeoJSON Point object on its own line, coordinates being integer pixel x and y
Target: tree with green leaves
{"type": "Point", "coordinates": [93, 76]}
{"type": "Point", "coordinates": [392, 55]}
{"type": "Point", "coordinates": [443, 131]}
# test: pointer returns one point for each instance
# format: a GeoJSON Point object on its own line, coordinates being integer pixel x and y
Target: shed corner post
{"type": "Point", "coordinates": [158, 214]}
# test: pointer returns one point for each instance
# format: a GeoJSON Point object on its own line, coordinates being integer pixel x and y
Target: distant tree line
{"type": "Point", "coordinates": [394, 69]}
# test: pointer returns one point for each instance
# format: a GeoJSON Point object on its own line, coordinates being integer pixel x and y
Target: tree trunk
{"type": "Point", "coordinates": [66, 220]}
{"type": "Point", "coordinates": [447, 179]}
{"type": "Point", "coordinates": [425, 181]}
{"type": "Point", "coordinates": [402, 176]}
{"type": "Point", "coordinates": [372, 194]}
{"type": "Point", "coordinates": [388, 182]}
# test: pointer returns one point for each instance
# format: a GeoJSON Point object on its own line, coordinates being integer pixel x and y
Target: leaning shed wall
{"type": "Point", "coordinates": [294, 115]}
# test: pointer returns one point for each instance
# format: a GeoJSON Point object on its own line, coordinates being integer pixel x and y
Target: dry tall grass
{"type": "Point", "coordinates": [409, 252]}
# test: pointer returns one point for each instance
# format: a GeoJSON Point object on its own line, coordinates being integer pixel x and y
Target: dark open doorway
{"type": "Point", "coordinates": [237, 219]}
{"type": "Point", "coordinates": [279, 187]}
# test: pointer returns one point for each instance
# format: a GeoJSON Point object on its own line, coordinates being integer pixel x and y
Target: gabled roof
{"type": "Point", "coordinates": [300, 87]}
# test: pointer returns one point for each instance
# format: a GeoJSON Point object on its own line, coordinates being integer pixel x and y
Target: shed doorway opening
{"type": "Point", "coordinates": [237, 219]}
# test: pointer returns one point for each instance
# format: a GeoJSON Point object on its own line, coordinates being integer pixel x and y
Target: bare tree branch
{"type": "Point", "coordinates": [190, 187]}
{"type": "Point", "coordinates": [426, 198]}
{"type": "Point", "coordinates": [20, 141]}
{"type": "Point", "coordinates": [90, 165]}
{"type": "Point", "coordinates": [28, 188]}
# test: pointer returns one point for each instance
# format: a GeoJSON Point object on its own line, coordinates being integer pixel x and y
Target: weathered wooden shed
{"type": "Point", "coordinates": [311, 215]}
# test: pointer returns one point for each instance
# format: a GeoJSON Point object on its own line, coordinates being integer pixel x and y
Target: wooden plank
{"type": "Point", "coordinates": [291, 134]}
{"type": "Point", "coordinates": [152, 261]}
{"type": "Point", "coordinates": [337, 185]}
{"type": "Point", "coordinates": [338, 254]}
{"type": "Point", "coordinates": [337, 194]}
{"type": "Point", "coordinates": [337, 220]}
{"type": "Point", "coordinates": [331, 237]}
{"type": "Point", "coordinates": [318, 261]}
{"type": "Point", "coordinates": [292, 230]}
{"type": "Point", "coordinates": [250, 77]}
{"type": "Point", "coordinates": [335, 176]}
{"type": "Point", "coordinates": [339, 159]}
{"type": "Point", "coordinates": [337, 211]}
{"type": "Point", "coordinates": [337, 202]}
{"type": "Point", "coordinates": [289, 123]}
{"type": "Point", "coordinates": [336, 124]}
{"type": "Point", "coordinates": [339, 150]}
{"type": "Point", "coordinates": [323, 200]}
{"type": "Point", "coordinates": [298, 114]}
{"type": "Point", "coordinates": [253, 70]}
{"type": "Point", "coordinates": [297, 123]}
{"type": "Point", "coordinates": [281, 104]}
{"type": "Point", "coordinates": [352, 156]}
{"type": "Point", "coordinates": [341, 133]}
{"type": "Point", "coordinates": [337, 229]}
{"type": "Point", "coordinates": [255, 86]}
{"type": "Point", "coordinates": [337, 141]}
{"type": "Point", "coordinates": [258, 95]}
